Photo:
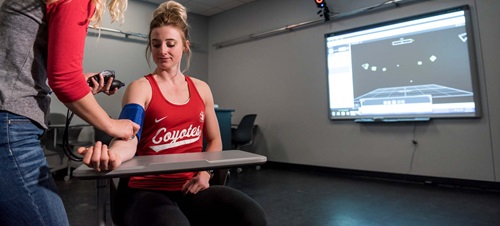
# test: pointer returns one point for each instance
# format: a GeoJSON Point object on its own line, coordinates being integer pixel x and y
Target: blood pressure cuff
{"type": "Point", "coordinates": [136, 114]}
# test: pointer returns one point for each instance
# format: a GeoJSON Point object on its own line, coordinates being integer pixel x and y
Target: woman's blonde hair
{"type": "Point", "coordinates": [174, 14]}
{"type": "Point", "coordinates": [116, 9]}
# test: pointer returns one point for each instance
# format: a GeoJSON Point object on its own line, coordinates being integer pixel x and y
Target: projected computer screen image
{"type": "Point", "coordinates": [417, 99]}
{"type": "Point", "coordinates": [419, 67]}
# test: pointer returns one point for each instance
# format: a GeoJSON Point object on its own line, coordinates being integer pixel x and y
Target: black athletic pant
{"type": "Point", "coordinates": [217, 205]}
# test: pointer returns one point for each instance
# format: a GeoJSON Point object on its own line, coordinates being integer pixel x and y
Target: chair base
{"type": "Point", "coordinates": [239, 170]}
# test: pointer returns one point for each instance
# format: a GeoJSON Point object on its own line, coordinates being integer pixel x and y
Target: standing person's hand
{"type": "Point", "coordinates": [123, 129]}
{"type": "Point", "coordinates": [100, 86]}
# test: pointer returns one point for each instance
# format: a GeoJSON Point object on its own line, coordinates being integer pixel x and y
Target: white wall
{"type": "Point", "coordinates": [283, 79]}
{"type": "Point", "coordinates": [488, 16]}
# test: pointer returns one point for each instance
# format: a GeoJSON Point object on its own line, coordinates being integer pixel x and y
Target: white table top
{"type": "Point", "coordinates": [170, 163]}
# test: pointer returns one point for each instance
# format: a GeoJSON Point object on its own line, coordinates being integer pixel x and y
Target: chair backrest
{"type": "Point", "coordinates": [57, 118]}
{"type": "Point", "coordinates": [243, 133]}
{"type": "Point", "coordinates": [50, 140]}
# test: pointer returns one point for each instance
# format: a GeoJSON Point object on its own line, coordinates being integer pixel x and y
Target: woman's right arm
{"type": "Point", "coordinates": [100, 157]}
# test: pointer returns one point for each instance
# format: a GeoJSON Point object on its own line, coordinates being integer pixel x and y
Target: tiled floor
{"type": "Point", "coordinates": [305, 197]}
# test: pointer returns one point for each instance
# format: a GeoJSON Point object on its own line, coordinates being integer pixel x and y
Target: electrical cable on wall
{"type": "Point", "coordinates": [127, 34]}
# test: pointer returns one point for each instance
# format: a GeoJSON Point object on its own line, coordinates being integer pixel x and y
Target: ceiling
{"type": "Point", "coordinates": [206, 7]}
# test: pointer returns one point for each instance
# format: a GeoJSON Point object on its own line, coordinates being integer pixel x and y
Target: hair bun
{"type": "Point", "coordinates": [171, 10]}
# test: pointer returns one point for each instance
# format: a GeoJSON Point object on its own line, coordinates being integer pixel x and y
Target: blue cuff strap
{"type": "Point", "coordinates": [135, 113]}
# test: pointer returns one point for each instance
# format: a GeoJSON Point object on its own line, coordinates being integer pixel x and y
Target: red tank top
{"type": "Point", "coordinates": [170, 128]}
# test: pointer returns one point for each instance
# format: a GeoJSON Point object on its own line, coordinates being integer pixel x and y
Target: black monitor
{"type": "Point", "coordinates": [413, 68]}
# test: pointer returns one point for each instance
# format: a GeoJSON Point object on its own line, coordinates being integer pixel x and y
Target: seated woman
{"type": "Point", "coordinates": [176, 111]}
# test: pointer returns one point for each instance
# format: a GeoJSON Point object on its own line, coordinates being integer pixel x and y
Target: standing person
{"type": "Point", "coordinates": [43, 41]}
{"type": "Point", "coordinates": [176, 111]}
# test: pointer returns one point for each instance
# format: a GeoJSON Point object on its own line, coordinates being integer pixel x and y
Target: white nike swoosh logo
{"type": "Point", "coordinates": [159, 120]}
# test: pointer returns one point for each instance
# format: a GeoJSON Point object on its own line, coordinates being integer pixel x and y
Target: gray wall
{"type": "Point", "coordinates": [283, 79]}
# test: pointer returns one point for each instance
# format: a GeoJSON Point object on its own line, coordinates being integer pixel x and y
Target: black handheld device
{"type": "Point", "coordinates": [106, 75]}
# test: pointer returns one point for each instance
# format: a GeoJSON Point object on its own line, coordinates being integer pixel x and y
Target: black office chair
{"type": "Point", "coordinates": [57, 118]}
{"type": "Point", "coordinates": [242, 135]}
{"type": "Point", "coordinates": [117, 204]}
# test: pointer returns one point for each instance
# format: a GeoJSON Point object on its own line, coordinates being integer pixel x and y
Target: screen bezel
{"type": "Point", "coordinates": [473, 65]}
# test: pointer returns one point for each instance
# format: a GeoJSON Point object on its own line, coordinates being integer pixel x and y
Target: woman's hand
{"type": "Point", "coordinates": [198, 183]}
{"type": "Point", "coordinates": [100, 86]}
{"type": "Point", "coordinates": [99, 157]}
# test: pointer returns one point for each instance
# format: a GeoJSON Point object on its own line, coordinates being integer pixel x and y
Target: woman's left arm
{"type": "Point", "coordinates": [211, 129]}
{"type": "Point", "coordinates": [212, 137]}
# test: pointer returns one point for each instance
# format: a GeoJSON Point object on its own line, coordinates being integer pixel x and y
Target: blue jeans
{"type": "Point", "coordinates": [28, 194]}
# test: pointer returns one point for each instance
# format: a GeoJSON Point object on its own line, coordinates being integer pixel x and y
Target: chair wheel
{"type": "Point", "coordinates": [257, 167]}
{"type": "Point", "coordinates": [66, 178]}
{"type": "Point", "coordinates": [239, 170]}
